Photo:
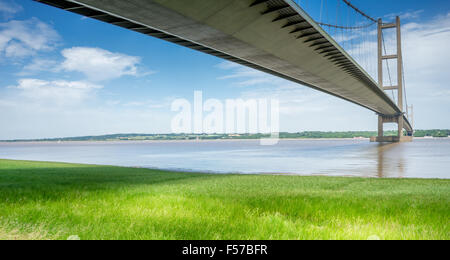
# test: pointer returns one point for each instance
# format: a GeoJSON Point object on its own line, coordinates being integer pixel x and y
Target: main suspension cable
{"type": "Point", "coordinates": [336, 26]}
{"type": "Point", "coordinates": [359, 11]}
{"type": "Point", "coordinates": [347, 27]}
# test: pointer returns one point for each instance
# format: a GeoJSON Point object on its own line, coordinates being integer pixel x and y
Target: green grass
{"type": "Point", "coordinates": [54, 201]}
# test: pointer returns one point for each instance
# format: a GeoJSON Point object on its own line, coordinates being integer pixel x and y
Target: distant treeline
{"type": "Point", "coordinates": [433, 133]}
{"type": "Point", "coordinates": [299, 135]}
{"type": "Point", "coordinates": [365, 134]}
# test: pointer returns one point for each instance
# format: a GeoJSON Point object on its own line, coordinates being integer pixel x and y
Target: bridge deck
{"type": "Point", "coordinates": [274, 36]}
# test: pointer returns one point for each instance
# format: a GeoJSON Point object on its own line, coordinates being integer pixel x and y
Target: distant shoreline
{"type": "Point", "coordinates": [305, 135]}
{"type": "Point", "coordinates": [200, 140]}
{"type": "Point", "coordinates": [178, 141]}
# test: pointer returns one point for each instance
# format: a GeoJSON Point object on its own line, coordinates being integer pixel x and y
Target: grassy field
{"type": "Point", "coordinates": [56, 201]}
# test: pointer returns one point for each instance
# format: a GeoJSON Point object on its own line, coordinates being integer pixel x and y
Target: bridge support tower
{"type": "Point", "coordinates": [382, 119]}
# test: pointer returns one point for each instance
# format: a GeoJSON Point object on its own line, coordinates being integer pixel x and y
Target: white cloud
{"type": "Point", "coordinates": [245, 76]}
{"type": "Point", "coordinates": [9, 8]}
{"type": "Point", "coordinates": [341, 38]}
{"type": "Point", "coordinates": [30, 120]}
{"type": "Point", "coordinates": [71, 108]}
{"type": "Point", "coordinates": [24, 38]}
{"type": "Point", "coordinates": [405, 15]}
{"type": "Point", "coordinates": [226, 65]}
{"type": "Point", "coordinates": [98, 64]}
{"type": "Point", "coordinates": [164, 103]}
{"type": "Point", "coordinates": [58, 92]}
{"type": "Point", "coordinates": [426, 51]}
{"type": "Point", "coordinates": [94, 63]}
{"type": "Point", "coordinates": [39, 65]}
{"type": "Point", "coordinates": [148, 104]}
{"type": "Point", "coordinates": [295, 99]}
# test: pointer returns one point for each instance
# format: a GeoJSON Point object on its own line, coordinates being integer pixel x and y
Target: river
{"type": "Point", "coordinates": [423, 158]}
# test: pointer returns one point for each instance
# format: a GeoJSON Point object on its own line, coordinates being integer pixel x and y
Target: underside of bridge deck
{"type": "Point", "coordinates": [274, 36]}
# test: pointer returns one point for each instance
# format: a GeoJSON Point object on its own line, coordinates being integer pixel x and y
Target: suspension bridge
{"type": "Point", "coordinates": [340, 53]}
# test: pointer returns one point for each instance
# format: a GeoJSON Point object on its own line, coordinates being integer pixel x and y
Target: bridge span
{"type": "Point", "coordinates": [274, 36]}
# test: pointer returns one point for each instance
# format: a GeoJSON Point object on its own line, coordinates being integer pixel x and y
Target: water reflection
{"type": "Point", "coordinates": [419, 159]}
{"type": "Point", "coordinates": [390, 160]}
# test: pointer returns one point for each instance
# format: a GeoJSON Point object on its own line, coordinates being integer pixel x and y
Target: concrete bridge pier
{"type": "Point", "coordinates": [391, 139]}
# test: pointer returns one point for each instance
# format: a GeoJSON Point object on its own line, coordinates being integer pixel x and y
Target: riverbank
{"type": "Point", "coordinates": [308, 135]}
{"type": "Point", "coordinates": [55, 201]}
{"type": "Point", "coordinates": [362, 139]}
{"type": "Point", "coordinates": [181, 141]}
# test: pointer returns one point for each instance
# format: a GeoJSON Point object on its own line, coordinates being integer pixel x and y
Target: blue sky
{"type": "Point", "coordinates": [64, 75]}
